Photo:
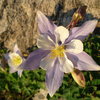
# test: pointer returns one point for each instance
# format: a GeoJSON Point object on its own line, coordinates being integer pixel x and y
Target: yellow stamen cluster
{"type": "Point", "coordinates": [58, 51]}
{"type": "Point", "coordinates": [16, 60]}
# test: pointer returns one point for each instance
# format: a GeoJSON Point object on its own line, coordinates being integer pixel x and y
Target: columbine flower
{"type": "Point", "coordinates": [15, 60]}
{"type": "Point", "coordinates": [60, 51]}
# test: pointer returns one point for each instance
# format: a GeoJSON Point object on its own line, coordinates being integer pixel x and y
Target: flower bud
{"type": "Point", "coordinates": [77, 16]}
{"type": "Point", "coordinates": [78, 76]}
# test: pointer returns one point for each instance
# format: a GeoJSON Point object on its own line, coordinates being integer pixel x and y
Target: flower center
{"type": "Point", "coordinates": [58, 51]}
{"type": "Point", "coordinates": [16, 60]}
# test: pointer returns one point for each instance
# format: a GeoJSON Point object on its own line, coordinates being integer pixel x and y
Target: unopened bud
{"type": "Point", "coordinates": [79, 78]}
{"type": "Point", "coordinates": [77, 16]}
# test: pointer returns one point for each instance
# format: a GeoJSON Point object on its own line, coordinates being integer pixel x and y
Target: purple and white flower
{"type": "Point", "coordinates": [15, 60]}
{"type": "Point", "coordinates": [60, 51]}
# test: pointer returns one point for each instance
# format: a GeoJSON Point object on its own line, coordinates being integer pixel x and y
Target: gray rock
{"type": "Point", "coordinates": [3, 22]}
{"type": "Point", "coordinates": [17, 18]}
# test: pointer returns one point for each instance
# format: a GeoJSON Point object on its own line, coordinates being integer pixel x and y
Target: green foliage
{"type": "Point", "coordinates": [92, 47]}
{"type": "Point", "coordinates": [13, 87]}
{"type": "Point", "coordinates": [21, 88]}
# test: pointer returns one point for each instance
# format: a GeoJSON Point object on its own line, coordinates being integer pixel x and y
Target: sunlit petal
{"type": "Point", "coordinates": [75, 46]}
{"type": "Point", "coordinates": [44, 24]}
{"type": "Point", "coordinates": [45, 42]}
{"type": "Point", "coordinates": [47, 62]}
{"type": "Point", "coordinates": [83, 31]}
{"type": "Point", "coordinates": [17, 50]}
{"type": "Point", "coordinates": [86, 62]}
{"type": "Point", "coordinates": [33, 60]}
{"type": "Point", "coordinates": [67, 65]}
{"type": "Point", "coordinates": [83, 61]}
{"type": "Point", "coordinates": [54, 78]}
{"type": "Point", "coordinates": [61, 34]}
{"type": "Point", "coordinates": [20, 73]}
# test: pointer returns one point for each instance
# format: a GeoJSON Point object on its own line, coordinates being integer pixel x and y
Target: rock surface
{"type": "Point", "coordinates": [17, 18]}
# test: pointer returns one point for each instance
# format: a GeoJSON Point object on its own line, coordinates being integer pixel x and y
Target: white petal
{"type": "Point", "coordinates": [16, 48]}
{"type": "Point", "coordinates": [61, 34]}
{"type": "Point", "coordinates": [75, 46]}
{"type": "Point", "coordinates": [11, 57]}
{"type": "Point", "coordinates": [67, 64]}
{"type": "Point", "coordinates": [47, 62]}
{"type": "Point", "coordinates": [45, 42]}
{"type": "Point", "coordinates": [20, 73]}
{"type": "Point", "coordinates": [15, 69]}
{"type": "Point", "coordinates": [12, 69]}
